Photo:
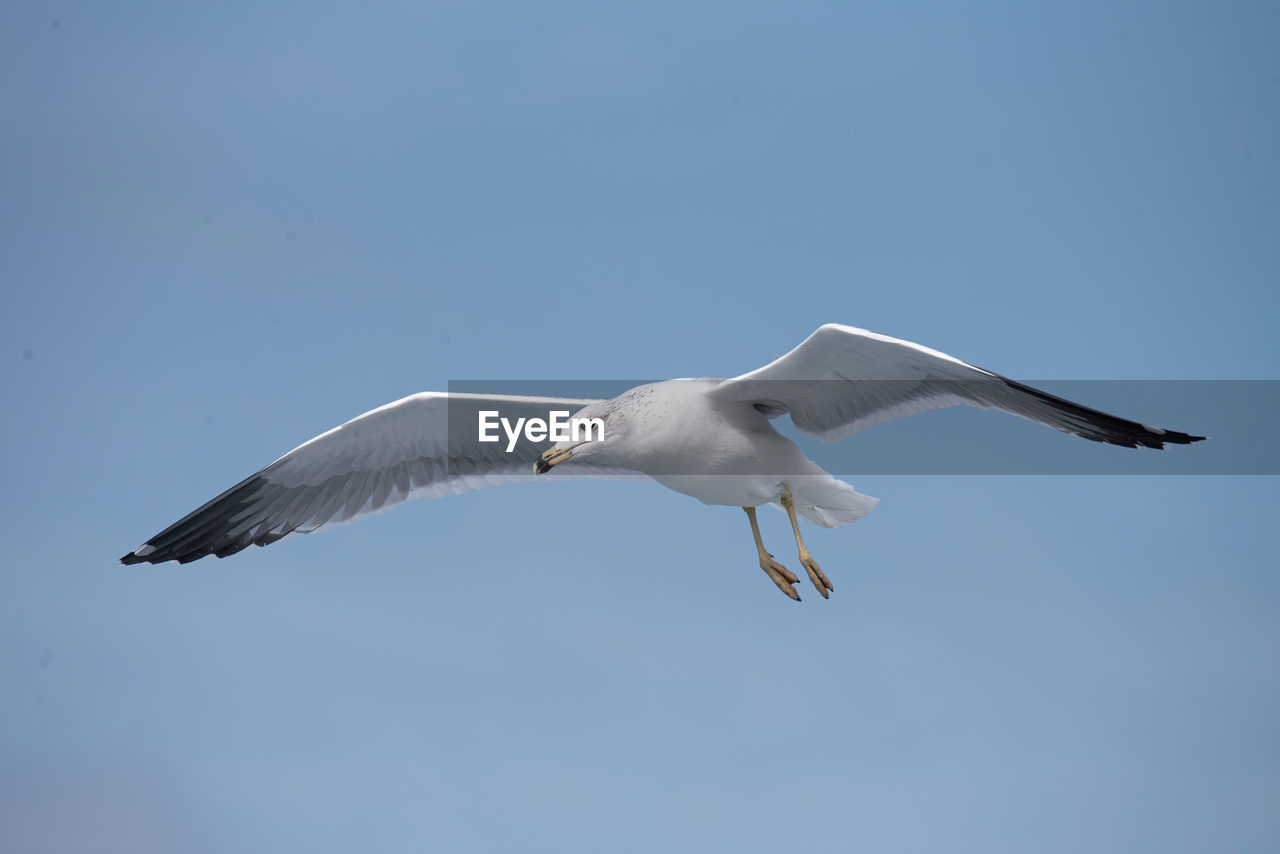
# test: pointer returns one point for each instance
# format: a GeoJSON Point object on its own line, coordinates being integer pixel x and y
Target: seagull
{"type": "Point", "coordinates": [707, 438]}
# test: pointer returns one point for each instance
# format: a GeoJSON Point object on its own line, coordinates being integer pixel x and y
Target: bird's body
{"type": "Point", "coordinates": [717, 451]}
{"type": "Point", "coordinates": [707, 438]}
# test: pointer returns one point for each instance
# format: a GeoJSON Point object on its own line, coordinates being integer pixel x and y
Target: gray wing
{"type": "Point", "coordinates": [423, 446]}
{"type": "Point", "coordinates": [842, 379]}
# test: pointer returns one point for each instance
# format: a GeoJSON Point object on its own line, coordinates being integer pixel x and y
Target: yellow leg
{"type": "Point", "coordinates": [781, 576]}
{"type": "Point", "coordinates": [816, 574]}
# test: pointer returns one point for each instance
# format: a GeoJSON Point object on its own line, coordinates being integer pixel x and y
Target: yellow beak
{"type": "Point", "coordinates": [551, 458]}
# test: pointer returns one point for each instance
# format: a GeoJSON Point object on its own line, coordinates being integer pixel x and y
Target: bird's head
{"type": "Point", "coordinates": [584, 437]}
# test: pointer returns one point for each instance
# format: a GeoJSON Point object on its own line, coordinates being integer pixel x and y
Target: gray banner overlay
{"type": "Point", "coordinates": [1241, 419]}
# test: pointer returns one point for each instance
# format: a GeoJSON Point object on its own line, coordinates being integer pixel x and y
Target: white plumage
{"type": "Point", "coordinates": [707, 438]}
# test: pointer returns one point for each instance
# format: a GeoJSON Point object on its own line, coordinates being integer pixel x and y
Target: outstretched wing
{"type": "Point", "coordinates": [423, 446]}
{"type": "Point", "coordinates": [842, 379]}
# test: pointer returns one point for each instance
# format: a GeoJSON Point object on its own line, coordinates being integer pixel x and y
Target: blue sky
{"type": "Point", "coordinates": [228, 228]}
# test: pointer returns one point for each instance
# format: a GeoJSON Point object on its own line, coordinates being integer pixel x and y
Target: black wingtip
{"type": "Point", "coordinates": [208, 530]}
{"type": "Point", "coordinates": [1101, 427]}
{"type": "Point", "coordinates": [1173, 437]}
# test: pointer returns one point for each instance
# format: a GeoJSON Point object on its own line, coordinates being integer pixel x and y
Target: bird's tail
{"type": "Point", "coordinates": [829, 502]}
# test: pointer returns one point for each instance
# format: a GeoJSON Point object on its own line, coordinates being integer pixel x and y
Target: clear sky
{"type": "Point", "coordinates": [227, 227]}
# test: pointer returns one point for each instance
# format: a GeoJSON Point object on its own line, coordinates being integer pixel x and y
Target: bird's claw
{"type": "Point", "coordinates": [817, 576]}
{"type": "Point", "coordinates": [781, 576]}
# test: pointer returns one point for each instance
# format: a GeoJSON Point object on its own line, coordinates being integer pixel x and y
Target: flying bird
{"type": "Point", "coordinates": [707, 438]}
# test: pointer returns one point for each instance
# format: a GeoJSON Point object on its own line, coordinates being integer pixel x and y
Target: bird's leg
{"type": "Point", "coordinates": [781, 576]}
{"type": "Point", "coordinates": [816, 575]}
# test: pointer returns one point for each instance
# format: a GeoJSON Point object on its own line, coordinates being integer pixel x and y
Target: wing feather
{"type": "Point", "coordinates": [842, 379]}
{"type": "Point", "coordinates": [423, 446]}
